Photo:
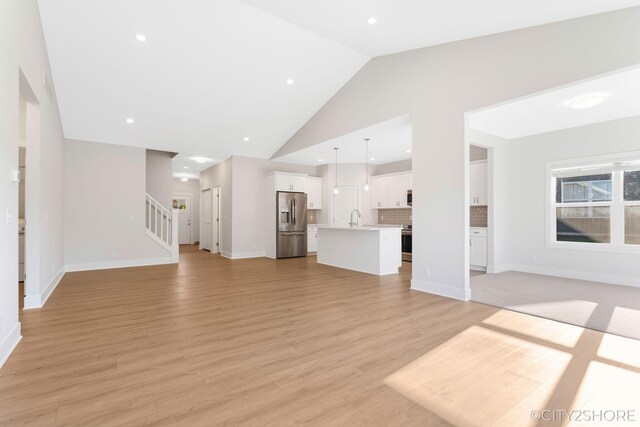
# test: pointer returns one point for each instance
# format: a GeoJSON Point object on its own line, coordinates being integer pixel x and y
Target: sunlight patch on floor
{"type": "Point", "coordinates": [492, 374]}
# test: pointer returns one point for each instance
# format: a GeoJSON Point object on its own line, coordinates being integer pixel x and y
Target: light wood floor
{"type": "Point", "coordinates": [263, 342]}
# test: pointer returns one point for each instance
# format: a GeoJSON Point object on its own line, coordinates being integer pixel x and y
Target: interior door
{"type": "Point", "coordinates": [344, 203]}
{"type": "Point", "coordinates": [207, 219]}
{"type": "Point", "coordinates": [216, 224]}
{"type": "Point", "coordinates": [183, 203]}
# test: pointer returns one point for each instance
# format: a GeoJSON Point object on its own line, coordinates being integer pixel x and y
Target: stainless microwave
{"type": "Point", "coordinates": [409, 200]}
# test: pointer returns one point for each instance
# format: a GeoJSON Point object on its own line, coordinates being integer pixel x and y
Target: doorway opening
{"type": "Point", "coordinates": [22, 153]}
{"type": "Point", "coordinates": [28, 143]}
{"type": "Point", "coordinates": [478, 209]}
{"type": "Point", "coordinates": [211, 222]}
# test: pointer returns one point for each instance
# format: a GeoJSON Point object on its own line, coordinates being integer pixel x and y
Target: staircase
{"type": "Point", "coordinates": [161, 226]}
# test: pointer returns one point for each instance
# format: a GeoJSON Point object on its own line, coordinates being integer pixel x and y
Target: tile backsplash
{"type": "Point", "coordinates": [312, 217]}
{"type": "Point", "coordinates": [478, 216]}
{"type": "Point", "coordinates": [394, 216]}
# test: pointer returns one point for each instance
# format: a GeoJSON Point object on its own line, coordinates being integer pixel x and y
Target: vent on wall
{"type": "Point", "coordinates": [48, 87]}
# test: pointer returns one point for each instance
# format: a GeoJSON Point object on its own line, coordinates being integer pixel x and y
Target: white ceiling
{"type": "Point", "coordinates": [213, 72]}
{"type": "Point", "coordinates": [389, 142]}
{"type": "Point", "coordinates": [411, 24]}
{"type": "Point", "coordinates": [209, 74]}
{"type": "Point", "coordinates": [550, 111]}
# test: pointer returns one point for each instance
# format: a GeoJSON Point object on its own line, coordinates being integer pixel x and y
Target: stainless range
{"type": "Point", "coordinates": [407, 246]}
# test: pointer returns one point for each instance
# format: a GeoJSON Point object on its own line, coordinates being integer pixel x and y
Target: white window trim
{"type": "Point", "coordinates": [618, 205]}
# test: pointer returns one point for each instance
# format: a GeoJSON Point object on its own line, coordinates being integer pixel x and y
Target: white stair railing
{"type": "Point", "coordinates": [160, 225]}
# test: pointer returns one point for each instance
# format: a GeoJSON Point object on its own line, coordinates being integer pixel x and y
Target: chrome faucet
{"type": "Point", "coordinates": [351, 223]}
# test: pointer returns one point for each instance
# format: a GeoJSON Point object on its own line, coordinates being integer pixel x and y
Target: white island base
{"type": "Point", "coordinates": [374, 250]}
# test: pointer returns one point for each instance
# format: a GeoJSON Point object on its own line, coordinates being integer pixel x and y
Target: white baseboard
{"type": "Point", "coordinates": [243, 255]}
{"type": "Point", "coordinates": [38, 301]}
{"type": "Point", "coordinates": [125, 263]}
{"type": "Point", "coordinates": [9, 343]}
{"type": "Point", "coordinates": [578, 275]}
{"type": "Point", "coordinates": [495, 269]}
{"type": "Point", "coordinates": [439, 289]}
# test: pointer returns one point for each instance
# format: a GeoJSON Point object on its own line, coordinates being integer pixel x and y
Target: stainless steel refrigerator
{"type": "Point", "coordinates": [291, 214]}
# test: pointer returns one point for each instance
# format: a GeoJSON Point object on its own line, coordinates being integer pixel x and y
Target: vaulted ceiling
{"type": "Point", "coordinates": [230, 77]}
{"type": "Point", "coordinates": [616, 96]}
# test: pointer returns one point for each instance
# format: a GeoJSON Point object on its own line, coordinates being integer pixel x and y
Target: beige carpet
{"type": "Point", "coordinates": [603, 307]}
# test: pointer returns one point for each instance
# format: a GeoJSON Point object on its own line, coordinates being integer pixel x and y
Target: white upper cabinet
{"type": "Point", "coordinates": [380, 192]}
{"type": "Point", "coordinates": [399, 185]}
{"type": "Point", "coordinates": [390, 191]}
{"type": "Point", "coordinates": [478, 194]}
{"type": "Point", "coordinates": [313, 188]}
{"type": "Point", "coordinates": [287, 182]}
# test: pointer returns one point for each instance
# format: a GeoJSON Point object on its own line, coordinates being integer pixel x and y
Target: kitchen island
{"type": "Point", "coordinates": [375, 249]}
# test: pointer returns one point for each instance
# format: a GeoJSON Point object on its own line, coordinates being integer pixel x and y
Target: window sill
{"type": "Point", "coordinates": [595, 247]}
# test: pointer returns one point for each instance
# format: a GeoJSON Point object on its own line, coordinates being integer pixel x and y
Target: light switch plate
{"type": "Point", "coordinates": [15, 175]}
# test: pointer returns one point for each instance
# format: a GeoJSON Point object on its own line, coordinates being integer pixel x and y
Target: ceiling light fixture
{"type": "Point", "coordinates": [200, 159]}
{"type": "Point", "coordinates": [289, 81]}
{"type": "Point", "coordinates": [408, 151]}
{"type": "Point", "coordinates": [366, 163]}
{"type": "Point", "coordinates": [246, 139]}
{"type": "Point", "coordinates": [372, 20]}
{"type": "Point", "coordinates": [335, 187]}
{"type": "Point", "coordinates": [130, 121]}
{"type": "Point", "coordinates": [589, 100]}
{"type": "Point", "coordinates": [373, 159]}
{"type": "Point", "coordinates": [141, 37]}
{"type": "Point", "coordinates": [319, 160]}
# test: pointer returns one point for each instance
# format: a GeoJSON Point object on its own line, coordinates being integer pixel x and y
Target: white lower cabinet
{"type": "Point", "coordinates": [478, 248]}
{"type": "Point", "coordinates": [312, 239]}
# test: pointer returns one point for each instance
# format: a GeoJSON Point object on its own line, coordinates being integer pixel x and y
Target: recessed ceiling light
{"type": "Point", "coordinates": [408, 151]}
{"type": "Point", "coordinates": [200, 159]}
{"type": "Point", "coordinates": [289, 81]}
{"type": "Point", "coordinates": [372, 20]}
{"type": "Point", "coordinates": [587, 101]}
{"type": "Point", "coordinates": [130, 121]}
{"type": "Point", "coordinates": [186, 167]}
{"type": "Point", "coordinates": [319, 160]}
{"type": "Point", "coordinates": [141, 37]}
{"type": "Point", "coordinates": [372, 159]}
{"type": "Point", "coordinates": [246, 139]}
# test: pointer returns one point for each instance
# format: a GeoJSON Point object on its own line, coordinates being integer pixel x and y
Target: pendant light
{"type": "Point", "coordinates": [335, 188]}
{"type": "Point", "coordinates": [366, 163]}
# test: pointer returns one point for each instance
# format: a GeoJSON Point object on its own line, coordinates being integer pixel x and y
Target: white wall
{"type": "Point", "coordinates": [159, 176]}
{"type": "Point", "coordinates": [22, 47]}
{"type": "Point", "coordinates": [104, 202]}
{"type": "Point", "coordinates": [191, 187]}
{"type": "Point", "coordinates": [219, 175]}
{"type": "Point", "coordinates": [527, 232]}
{"type": "Point", "coordinates": [437, 85]}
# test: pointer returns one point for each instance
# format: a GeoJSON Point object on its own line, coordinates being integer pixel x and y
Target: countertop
{"type": "Point", "coordinates": [361, 228]}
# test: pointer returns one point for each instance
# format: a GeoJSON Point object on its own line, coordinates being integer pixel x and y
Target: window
{"type": "Point", "coordinates": [596, 205]}
{"type": "Point", "coordinates": [583, 208]}
{"type": "Point", "coordinates": [632, 207]}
